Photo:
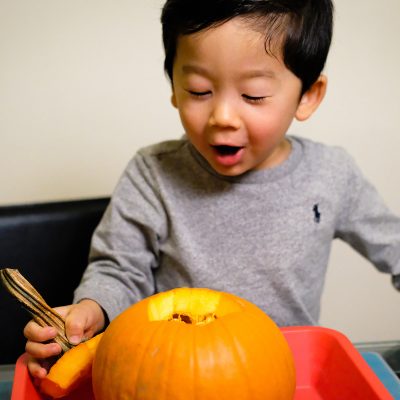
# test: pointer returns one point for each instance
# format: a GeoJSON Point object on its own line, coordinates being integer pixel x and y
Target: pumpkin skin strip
{"type": "Point", "coordinates": [209, 350]}
{"type": "Point", "coordinates": [141, 385]}
{"type": "Point", "coordinates": [269, 360]}
{"type": "Point", "coordinates": [245, 389]}
{"type": "Point", "coordinates": [176, 332]}
{"type": "Point", "coordinates": [272, 349]}
{"type": "Point", "coordinates": [280, 352]}
{"type": "Point", "coordinates": [158, 383]}
{"type": "Point", "coordinates": [70, 370]}
{"type": "Point", "coordinates": [287, 362]}
{"type": "Point", "coordinates": [164, 374]}
{"type": "Point", "coordinates": [127, 370]}
{"type": "Point", "coordinates": [183, 370]}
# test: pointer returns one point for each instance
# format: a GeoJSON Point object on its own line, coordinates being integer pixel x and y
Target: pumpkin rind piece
{"type": "Point", "coordinates": [70, 370]}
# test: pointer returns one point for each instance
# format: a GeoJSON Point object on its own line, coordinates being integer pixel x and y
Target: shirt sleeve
{"type": "Point", "coordinates": [368, 225]}
{"type": "Point", "coordinates": [124, 247]}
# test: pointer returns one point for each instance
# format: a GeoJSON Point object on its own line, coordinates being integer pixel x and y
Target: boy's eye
{"type": "Point", "coordinates": [254, 99]}
{"type": "Point", "coordinates": [198, 94]}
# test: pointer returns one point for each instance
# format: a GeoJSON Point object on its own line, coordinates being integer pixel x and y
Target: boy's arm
{"type": "Point", "coordinates": [369, 226]}
{"type": "Point", "coordinates": [124, 248]}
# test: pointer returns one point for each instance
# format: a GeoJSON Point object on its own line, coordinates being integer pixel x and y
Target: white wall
{"type": "Point", "coordinates": [82, 88]}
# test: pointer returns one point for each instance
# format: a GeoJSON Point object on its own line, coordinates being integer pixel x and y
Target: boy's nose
{"type": "Point", "coordinates": [224, 115]}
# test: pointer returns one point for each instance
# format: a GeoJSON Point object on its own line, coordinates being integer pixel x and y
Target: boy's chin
{"type": "Point", "coordinates": [229, 171]}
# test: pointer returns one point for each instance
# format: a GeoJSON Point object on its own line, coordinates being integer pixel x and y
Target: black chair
{"type": "Point", "coordinates": [48, 243]}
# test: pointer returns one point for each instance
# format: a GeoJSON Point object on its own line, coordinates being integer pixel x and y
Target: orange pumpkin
{"type": "Point", "coordinates": [193, 344]}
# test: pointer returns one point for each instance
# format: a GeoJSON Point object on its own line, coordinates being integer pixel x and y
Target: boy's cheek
{"type": "Point", "coordinates": [192, 117]}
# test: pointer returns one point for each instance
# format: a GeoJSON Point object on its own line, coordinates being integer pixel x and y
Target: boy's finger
{"type": "Point", "coordinates": [42, 350]}
{"type": "Point", "coordinates": [63, 310]}
{"type": "Point", "coordinates": [36, 370]}
{"type": "Point", "coordinates": [37, 333]}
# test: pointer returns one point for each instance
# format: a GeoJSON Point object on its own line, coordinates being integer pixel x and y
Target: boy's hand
{"type": "Point", "coordinates": [82, 321]}
{"type": "Point", "coordinates": [38, 349]}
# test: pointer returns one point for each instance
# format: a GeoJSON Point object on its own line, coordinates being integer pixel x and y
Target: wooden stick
{"type": "Point", "coordinates": [34, 303]}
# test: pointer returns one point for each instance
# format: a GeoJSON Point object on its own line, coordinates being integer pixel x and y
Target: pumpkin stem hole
{"type": "Point", "coordinates": [187, 319]}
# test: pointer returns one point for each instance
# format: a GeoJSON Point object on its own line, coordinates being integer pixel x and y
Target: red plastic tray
{"type": "Point", "coordinates": [328, 367]}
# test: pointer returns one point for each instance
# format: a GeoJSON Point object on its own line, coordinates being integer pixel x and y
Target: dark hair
{"type": "Point", "coordinates": [304, 26]}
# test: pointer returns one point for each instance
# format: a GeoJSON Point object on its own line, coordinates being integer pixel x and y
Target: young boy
{"type": "Point", "coordinates": [236, 205]}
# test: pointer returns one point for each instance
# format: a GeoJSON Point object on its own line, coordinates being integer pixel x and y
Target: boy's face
{"type": "Point", "coordinates": [236, 102]}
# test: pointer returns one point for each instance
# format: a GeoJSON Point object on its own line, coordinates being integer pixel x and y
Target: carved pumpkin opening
{"type": "Point", "coordinates": [192, 307]}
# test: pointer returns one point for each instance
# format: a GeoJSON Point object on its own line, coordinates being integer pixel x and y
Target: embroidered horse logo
{"type": "Point", "coordinates": [317, 214]}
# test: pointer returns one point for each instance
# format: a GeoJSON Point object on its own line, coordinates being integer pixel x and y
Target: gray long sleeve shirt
{"type": "Point", "coordinates": [266, 235]}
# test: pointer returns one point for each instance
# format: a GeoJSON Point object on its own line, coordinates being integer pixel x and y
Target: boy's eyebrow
{"type": "Point", "coordinates": [258, 73]}
{"type": "Point", "coordinates": [189, 69]}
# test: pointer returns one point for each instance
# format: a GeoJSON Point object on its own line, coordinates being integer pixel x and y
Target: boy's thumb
{"type": "Point", "coordinates": [75, 339]}
{"type": "Point", "coordinates": [75, 326]}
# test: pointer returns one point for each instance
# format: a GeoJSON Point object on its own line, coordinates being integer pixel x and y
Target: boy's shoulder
{"type": "Point", "coordinates": [331, 163]}
{"type": "Point", "coordinates": [167, 147]}
{"type": "Point", "coordinates": [318, 152]}
{"type": "Point", "coordinates": [162, 157]}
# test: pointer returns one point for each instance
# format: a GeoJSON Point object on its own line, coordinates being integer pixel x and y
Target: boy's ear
{"type": "Point", "coordinates": [311, 99]}
{"type": "Point", "coordinates": [173, 99]}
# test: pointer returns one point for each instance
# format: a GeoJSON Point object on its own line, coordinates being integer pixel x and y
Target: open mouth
{"type": "Point", "coordinates": [225, 150]}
